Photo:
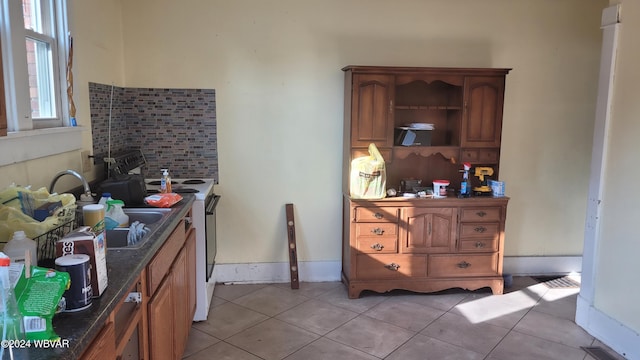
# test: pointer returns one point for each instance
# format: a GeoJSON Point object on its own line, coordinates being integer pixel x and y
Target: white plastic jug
{"type": "Point", "coordinates": [115, 216]}
{"type": "Point", "coordinates": [15, 248]}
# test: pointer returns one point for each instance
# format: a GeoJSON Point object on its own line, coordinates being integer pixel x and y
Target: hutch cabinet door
{"type": "Point", "coordinates": [372, 110]}
{"type": "Point", "coordinates": [482, 124]}
{"type": "Point", "coordinates": [428, 230]}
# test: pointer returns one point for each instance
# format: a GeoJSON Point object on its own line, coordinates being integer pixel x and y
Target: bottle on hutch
{"type": "Point", "coordinates": [465, 184]}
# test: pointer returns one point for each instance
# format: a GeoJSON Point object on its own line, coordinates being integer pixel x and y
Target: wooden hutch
{"type": "Point", "coordinates": [424, 244]}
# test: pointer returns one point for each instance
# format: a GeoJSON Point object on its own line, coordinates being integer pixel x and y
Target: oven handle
{"type": "Point", "coordinates": [212, 202]}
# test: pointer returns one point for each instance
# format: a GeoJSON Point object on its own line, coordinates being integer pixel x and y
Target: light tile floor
{"type": "Point", "coordinates": [318, 321]}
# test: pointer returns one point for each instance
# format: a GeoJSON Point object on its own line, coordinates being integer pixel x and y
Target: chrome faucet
{"type": "Point", "coordinates": [87, 197]}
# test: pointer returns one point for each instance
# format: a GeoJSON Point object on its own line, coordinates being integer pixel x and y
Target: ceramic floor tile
{"type": "Point", "coordinates": [554, 328]}
{"type": "Point", "coordinates": [500, 310]}
{"type": "Point", "coordinates": [339, 297]}
{"type": "Point", "coordinates": [372, 336]}
{"type": "Point", "coordinates": [405, 314]}
{"type": "Point", "coordinates": [229, 319]}
{"type": "Point", "coordinates": [232, 292]}
{"type": "Point", "coordinates": [216, 301]}
{"type": "Point", "coordinates": [443, 300]}
{"type": "Point", "coordinates": [222, 351]}
{"type": "Point", "coordinates": [518, 346]}
{"type": "Point", "coordinates": [197, 341]}
{"type": "Point", "coordinates": [270, 300]}
{"type": "Point", "coordinates": [313, 289]}
{"type": "Point", "coordinates": [561, 307]}
{"type": "Point", "coordinates": [317, 316]}
{"type": "Point", "coordinates": [323, 349]}
{"type": "Point", "coordinates": [459, 331]}
{"type": "Point", "coordinates": [425, 348]}
{"type": "Point", "coordinates": [272, 339]}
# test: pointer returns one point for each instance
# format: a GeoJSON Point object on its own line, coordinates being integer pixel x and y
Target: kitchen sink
{"type": "Point", "coordinates": [151, 217]}
{"type": "Point", "coordinates": [147, 216]}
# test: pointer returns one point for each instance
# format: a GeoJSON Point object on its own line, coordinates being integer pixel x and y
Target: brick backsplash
{"type": "Point", "coordinates": [174, 128]}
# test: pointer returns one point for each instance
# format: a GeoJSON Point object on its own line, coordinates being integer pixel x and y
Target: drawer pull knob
{"type": "Point", "coordinates": [377, 231]}
{"type": "Point", "coordinates": [377, 247]}
{"type": "Point", "coordinates": [481, 213]}
{"type": "Point", "coordinates": [463, 265]}
{"type": "Point", "coordinates": [378, 215]}
{"type": "Point", "coordinates": [479, 244]}
{"type": "Point", "coordinates": [480, 229]}
{"type": "Point", "coordinates": [392, 266]}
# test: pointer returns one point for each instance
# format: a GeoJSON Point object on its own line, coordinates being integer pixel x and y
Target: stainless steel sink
{"type": "Point", "coordinates": [151, 217]}
{"type": "Point", "coordinates": [147, 216]}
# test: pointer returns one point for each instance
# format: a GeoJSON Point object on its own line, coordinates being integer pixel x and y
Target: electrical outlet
{"type": "Point", "coordinates": [87, 162]}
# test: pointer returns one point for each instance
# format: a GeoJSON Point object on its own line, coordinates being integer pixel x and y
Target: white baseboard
{"type": "Point", "coordinates": [542, 265]}
{"type": "Point", "coordinates": [320, 271]}
{"type": "Point", "coordinates": [255, 273]}
{"type": "Point", "coordinates": [611, 332]}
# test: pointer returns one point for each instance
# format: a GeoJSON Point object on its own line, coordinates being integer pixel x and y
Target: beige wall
{"type": "Point", "coordinates": [616, 292]}
{"type": "Point", "coordinates": [276, 68]}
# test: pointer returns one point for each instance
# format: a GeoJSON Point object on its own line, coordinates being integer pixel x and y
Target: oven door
{"type": "Point", "coordinates": [210, 231]}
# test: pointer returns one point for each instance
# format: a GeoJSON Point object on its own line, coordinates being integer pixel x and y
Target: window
{"type": "Point", "coordinates": [34, 42]}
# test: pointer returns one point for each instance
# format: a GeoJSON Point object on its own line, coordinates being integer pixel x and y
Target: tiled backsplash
{"type": "Point", "coordinates": [174, 128]}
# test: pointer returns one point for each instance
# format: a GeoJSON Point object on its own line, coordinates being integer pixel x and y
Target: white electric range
{"type": "Point", "coordinates": [204, 221]}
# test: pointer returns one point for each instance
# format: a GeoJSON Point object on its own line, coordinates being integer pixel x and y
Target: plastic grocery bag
{"type": "Point", "coordinates": [368, 176]}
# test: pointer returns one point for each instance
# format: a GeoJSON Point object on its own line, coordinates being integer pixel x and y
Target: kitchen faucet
{"type": "Point", "coordinates": [87, 197]}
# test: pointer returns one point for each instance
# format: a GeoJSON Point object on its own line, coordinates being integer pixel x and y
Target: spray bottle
{"type": "Point", "coordinates": [11, 324]}
{"type": "Point", "coordinates": [465, 184]}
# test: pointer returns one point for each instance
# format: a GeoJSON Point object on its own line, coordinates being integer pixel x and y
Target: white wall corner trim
{"type": "Point", "coordinates": [33, 144]}
{"type": "Point", "coordinates": [617, 336]}
{"type": "Point", "coordinates": [261, 273]}
{"type": "Point", "coordinates": [542, 265]}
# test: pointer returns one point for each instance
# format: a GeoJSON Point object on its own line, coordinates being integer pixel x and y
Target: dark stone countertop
{"type": "Point", "coordinates": [123, 268]}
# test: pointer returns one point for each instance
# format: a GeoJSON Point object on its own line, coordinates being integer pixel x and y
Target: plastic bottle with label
{"type": "Point", "coordinates": [465, 185]}
{"type": "Point", "coordinates": [165, 182]}
{"type": "Point", "coordinates": [11, 323]}
{"type": "Point", "coordinates": [17, 246]}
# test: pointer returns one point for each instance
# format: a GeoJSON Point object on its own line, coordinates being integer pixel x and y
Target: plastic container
{"type": "Point", "coordinates": [440, 188]}
{"type": "Point", "coordinates": [165, 182]}
{"type": "Point", "coordinates": [115, 216]}
{"type": "Point", "coordinates": [105, 197]}
{"type": "Point", "coordinates": [11, 323]}
{"type": "Point", "coordinates": [17, 246]}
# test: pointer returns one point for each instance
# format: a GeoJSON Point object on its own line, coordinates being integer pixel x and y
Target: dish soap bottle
{"type": "Point", "coordinates": [11, 324]}
{"type": "Point", "coordinates": [18, 245]}
{"type": "Point", "coordinates": [165, 182]}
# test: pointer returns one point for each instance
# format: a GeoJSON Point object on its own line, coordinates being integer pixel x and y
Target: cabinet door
{"type": "Point", "coordinates": [428, 230]}
{"type": "Point", "coordinates": [161, 322]}
{"type": "Point", "coordinates": [482, 124]}
{"type": "Point", "coordinates": [371, 112]}
{"type": "Point", "coordinates": [180, 284]}
{"type": "Point", "coordinates": [103, 345]}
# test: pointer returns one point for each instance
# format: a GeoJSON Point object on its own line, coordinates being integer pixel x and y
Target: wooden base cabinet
{"type": "Point", "coordinates": [423, 245]}
{"type": "Point", "coordinates": [171, 283]}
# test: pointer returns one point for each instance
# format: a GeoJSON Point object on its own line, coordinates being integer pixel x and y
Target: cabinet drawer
{"type": "Point", "coordinates": [463, 265]}
{"type": "Point", "coordinates": [376, 229]}
{"type": "Point", "coordinates": [161, 263]}
{"type": "Point", "coordinates": [481, 214]}
{"type": "Point", "coordinates": [370, 267]}
{"type": "Point", "coordinates": [376, 214]}
{"type": "Point", "coordinates": [377, 245]}
{"type": "Point", "coordinates": [479, 245]}
{"type": "Point", "coordinates": [483, 156]}
{"type": "Point", "coordinates": [483, 230]}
